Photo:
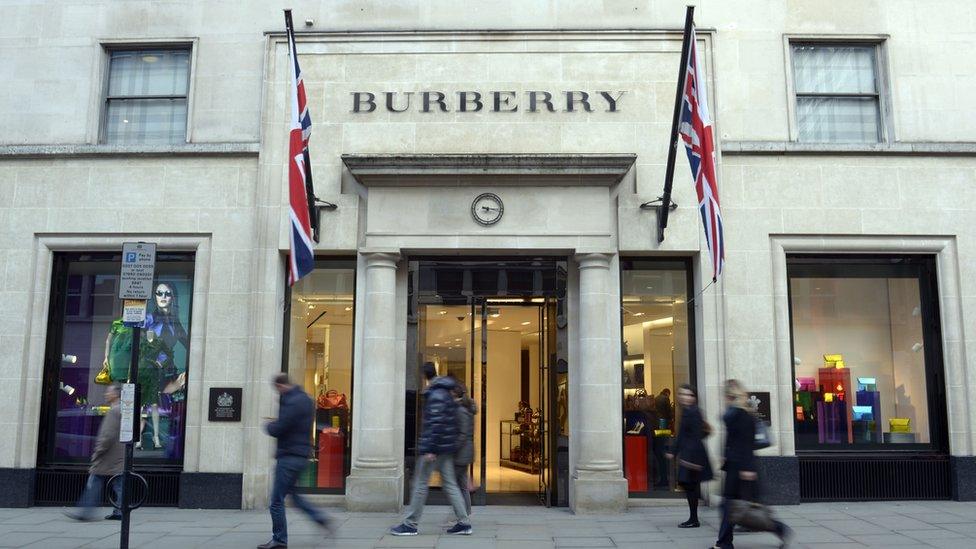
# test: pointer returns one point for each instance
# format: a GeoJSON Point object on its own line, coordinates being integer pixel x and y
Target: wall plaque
{"type": "Point", "coordinates": [225, 404]}
{"type": "Point", "coordinates": [759, 403]}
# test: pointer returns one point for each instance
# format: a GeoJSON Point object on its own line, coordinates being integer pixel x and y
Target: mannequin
{"type": "Point", "coordinates": [164, 331]}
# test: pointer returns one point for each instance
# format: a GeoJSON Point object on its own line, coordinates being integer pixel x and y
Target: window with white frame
{"type": "Point", "coordinates": [838, 92]}
{"type": "Point", "coordinates": [146, 96]}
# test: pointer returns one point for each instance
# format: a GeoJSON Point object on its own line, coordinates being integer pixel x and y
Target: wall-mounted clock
{"type": "Point", "coordinates": [487, 209]}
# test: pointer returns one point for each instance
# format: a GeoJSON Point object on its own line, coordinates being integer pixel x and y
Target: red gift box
{"type": "Point", "coordinates": [635, 448]}
{"type": "Point", "coordinates": [331, 453]}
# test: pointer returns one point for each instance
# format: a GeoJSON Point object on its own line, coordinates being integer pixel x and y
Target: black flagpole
{"type": "Point", "coordinates": [313, 217]}
{"type": "Point", "coordinates": [665, 206]}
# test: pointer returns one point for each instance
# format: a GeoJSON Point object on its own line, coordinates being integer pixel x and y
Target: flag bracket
{"type": "Point", "coordinates": [324, 205]}
{"type": "Point", "coordinates": [658, 204]}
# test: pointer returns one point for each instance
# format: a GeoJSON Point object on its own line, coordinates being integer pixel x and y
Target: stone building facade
{"type": "Point", "coordinates": [846, 166]}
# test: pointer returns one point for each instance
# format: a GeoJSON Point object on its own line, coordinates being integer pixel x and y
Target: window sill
{"type": "Point", "coordinates": [186, 149]}
{"type": "Point", "coordinates": [917, 148]}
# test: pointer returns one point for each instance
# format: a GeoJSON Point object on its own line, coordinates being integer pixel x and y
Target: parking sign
{"type": "Point", "coordinates": [138, 270]}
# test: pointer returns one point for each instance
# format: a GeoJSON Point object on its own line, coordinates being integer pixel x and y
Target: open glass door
{"type": "Point", "coordinates": [496, 327]}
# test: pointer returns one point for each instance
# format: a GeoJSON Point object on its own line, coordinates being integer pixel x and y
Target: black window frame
{"type": "Point", "coordinates": [54, 341]}
{"type": "Point", "coordinates": [921, 267]}
{"type": "Point", "coordinates": [660, 264]}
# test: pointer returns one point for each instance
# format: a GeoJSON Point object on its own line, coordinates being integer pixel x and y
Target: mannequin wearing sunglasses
{"type": "Point", "coordinates": [158, 372]}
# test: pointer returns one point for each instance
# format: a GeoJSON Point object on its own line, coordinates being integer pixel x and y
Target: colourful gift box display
{"type": "Point", "coordinates": [836, 381]}
{"type": "Point", "coordinates": [900, 425]}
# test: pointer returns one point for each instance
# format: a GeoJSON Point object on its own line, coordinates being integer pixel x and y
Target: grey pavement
{"type": "Point", "coordinates": [819, 525]}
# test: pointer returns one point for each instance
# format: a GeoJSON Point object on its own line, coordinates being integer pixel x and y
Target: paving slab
{"type": "Point", "coordinates": [837, 526]}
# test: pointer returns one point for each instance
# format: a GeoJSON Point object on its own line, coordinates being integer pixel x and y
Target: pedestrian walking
{"type": "Point", "coordinates": [690, 453]}
{"type": "Point", "coordinates": [435, 450]}
{"type": "Point", "coordinates": [106, 461]}
{"type": "Point", "coordinates": [292, 429]}
{"type": "Point", "coordinates": [466, 409]}
{"type": "Point", "coordinates": [741, 480]}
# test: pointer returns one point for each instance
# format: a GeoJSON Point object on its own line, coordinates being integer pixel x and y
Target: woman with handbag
{"type": "Point", "coordinates": [690, 453]}
{"type": "Point", "coordinates": [740, 488]}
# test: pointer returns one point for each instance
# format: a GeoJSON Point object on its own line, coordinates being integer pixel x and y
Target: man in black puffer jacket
{"type": "Point", "coordinates": [435, 450]}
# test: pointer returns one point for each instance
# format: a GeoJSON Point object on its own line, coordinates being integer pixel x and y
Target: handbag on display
{"type": "Point", "coordinates": [900, 425]}
{"type": "Point", "coordinates": [332, 400]}
{"type": "Point", "coordinates": [103, 377]}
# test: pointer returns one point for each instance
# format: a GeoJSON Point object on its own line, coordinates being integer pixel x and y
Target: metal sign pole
{"type": "Point", "coordinates": [136, 288]}
{"type": "Point", "coordinates": [127, 462]}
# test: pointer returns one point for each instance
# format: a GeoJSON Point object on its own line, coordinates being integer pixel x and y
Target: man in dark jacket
{"type": "Point", "coordinates": [292, 429]}
{"type": "Point", "coordinates": [106, 461]}
{"type": "Point", "coordinates": [435, 450]}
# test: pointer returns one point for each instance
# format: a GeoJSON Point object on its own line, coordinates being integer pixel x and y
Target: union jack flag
{"type": "Point", "coordinates": [301, 199]}
{"type": "Point", "coordinates": [696, 132]}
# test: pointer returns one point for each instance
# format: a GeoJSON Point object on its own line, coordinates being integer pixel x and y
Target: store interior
{"type": "Point", "coordinates": [656, 361]}
{"type": "Point", "coordinates": [513, 414]}
{"type": "Point", "coordinates": [859, 361]}
{"type": "Point", "coordinates": [320, 360]}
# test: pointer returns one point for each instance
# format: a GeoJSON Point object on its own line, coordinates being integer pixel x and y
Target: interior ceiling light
{"type": "Point", "coordinates": [348, 309]}
{"type": "Point", "coordinates": [507, 328]}
{"type": "Point", "coordinates": [638, 314]}
{"type": "Point", "coordinates": [149, 58]}
{"type": "Point", "coordinates": [526, 323]}
{"type": "Point", "coordinates": [666, 322]}
{"type": "Point", "coordinates": [442, 313]}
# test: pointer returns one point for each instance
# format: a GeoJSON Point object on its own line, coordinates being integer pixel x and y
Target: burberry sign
{"type": "Point", "coordinates": [491, 101]}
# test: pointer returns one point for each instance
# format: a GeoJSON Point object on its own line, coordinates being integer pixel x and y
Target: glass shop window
{"type": "Point", "coordinates": [320, 361]}
{"type": "Point", "coordinates": [657, 358]}
{"type": "Point", "coordinates": [89, 348]}
{"type": "Point", "coordinates": [865, 354]}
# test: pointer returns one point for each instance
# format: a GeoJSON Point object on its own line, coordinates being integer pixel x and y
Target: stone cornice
{"type": "Point", "coordinates": [914, 148]}
{"type": "Point", "coordinates": [502, 169]}
{"type": "Point", "coordinates": [82, 150]}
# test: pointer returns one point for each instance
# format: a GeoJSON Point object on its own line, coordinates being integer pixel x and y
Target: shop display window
{"type": "Point", "coordinates": [320, 335]}
{"type": "Point", "coordinates": [865, 354]}
{"type": "Point", "coordinates": [89, 347]}
{"type": "Point", "coordinates": [658, 356]}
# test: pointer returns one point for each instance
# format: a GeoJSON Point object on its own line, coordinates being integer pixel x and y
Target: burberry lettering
{"type": "Point", "coordinates": [493, 101]}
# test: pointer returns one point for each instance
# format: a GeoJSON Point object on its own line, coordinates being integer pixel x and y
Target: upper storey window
{"type": "Point", "coordinates": [838, 93]}
{"type": "Point", "coordinates": [146, 96]}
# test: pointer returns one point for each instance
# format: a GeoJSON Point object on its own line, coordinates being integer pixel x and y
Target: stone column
{"type": "Point", "coordinates": [376, 480]}
{"type": "Point", "coordinates": [598, 485]}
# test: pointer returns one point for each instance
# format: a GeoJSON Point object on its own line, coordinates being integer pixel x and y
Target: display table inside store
{"type": "Point", "coordinates": [518, 446]}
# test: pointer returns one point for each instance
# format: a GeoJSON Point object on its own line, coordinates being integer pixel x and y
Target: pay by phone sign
{"type": "Point", "coordinates": [138, 270]}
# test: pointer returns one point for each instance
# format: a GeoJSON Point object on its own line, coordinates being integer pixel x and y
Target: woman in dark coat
{"type": "Point", "coordinates": [740, 462]}
{"type": "Point", "coordinates": [466, 410]}
{"type": "Point", "coordinates": [689, 450]}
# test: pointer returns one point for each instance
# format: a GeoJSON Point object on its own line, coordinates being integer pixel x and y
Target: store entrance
{"type": "Point", "coordinates": [506, 350]}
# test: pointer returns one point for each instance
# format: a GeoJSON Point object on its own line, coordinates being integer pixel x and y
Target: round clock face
{"type": "Point", "coordinates": [487, 209]}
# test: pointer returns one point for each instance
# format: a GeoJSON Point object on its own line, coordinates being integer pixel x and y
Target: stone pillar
{"type": "Point", "coordinates": [598, 484]}
{"type": "Point", "coordinates": [376, 480]}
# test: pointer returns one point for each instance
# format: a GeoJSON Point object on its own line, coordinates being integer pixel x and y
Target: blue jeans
{"type": "Point", "coordinates": [92, 496]}
{"type": "Point", "coordinates": [287, 470]}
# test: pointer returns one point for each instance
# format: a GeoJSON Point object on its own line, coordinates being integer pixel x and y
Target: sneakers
{"type": "Point", "coordinates": [273, 545]}
{"type": "Point", "coordinates": [690, 524]}
{"type": "Point", "coordinates": [403, 530]}
{"type": "Point", "coordinates": [460, 529]}
{"type": "Point", "coordinates": [114, 516]}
